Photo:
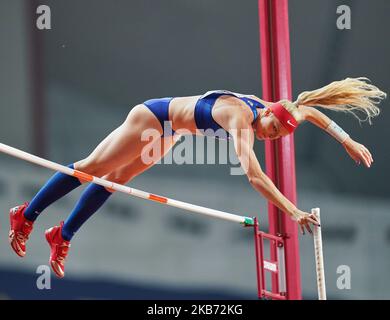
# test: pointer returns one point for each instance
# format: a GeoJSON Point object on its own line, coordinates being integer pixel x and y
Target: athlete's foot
{"type": "Point", "coordinates": [20, 229]}
{"type": "Point", "coordinates": [58, 249]}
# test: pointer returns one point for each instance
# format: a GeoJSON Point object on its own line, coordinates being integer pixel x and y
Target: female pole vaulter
{"type": "Point", "coordinates": [119, 157]}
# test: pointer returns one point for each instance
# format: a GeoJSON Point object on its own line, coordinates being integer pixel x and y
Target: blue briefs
{"type": "Point", "coordinates": [203, 111]}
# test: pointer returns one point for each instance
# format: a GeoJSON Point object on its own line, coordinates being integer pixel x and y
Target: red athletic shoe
{"type": "Point", "coordinates": [58, 249]}
{"type": "Point", "coordinates": [20, 229]}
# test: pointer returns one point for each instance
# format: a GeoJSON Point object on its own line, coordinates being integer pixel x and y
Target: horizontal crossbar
{"type": "Point", "coordinates": [247, 221]}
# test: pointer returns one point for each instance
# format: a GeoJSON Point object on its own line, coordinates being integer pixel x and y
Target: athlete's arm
{"type": "Point", "coordinates": [356, 151]}
{"type": "Point", "coordinates": [243, 138]}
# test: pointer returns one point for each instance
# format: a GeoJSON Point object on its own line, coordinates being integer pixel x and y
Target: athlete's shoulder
{"type": "Point", "coordinates": [223, 92]}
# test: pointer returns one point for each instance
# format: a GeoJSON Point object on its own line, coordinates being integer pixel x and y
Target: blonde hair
{"type": "Point", "coordinates": [351, 95]}
{"type": "Point", "coordinates": [293, 109]}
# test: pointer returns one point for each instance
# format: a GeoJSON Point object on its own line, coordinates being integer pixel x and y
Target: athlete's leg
{"type": "Point", "coordinates": [123, 145]}
{"type": "Point", "coordinates": [91, 200]}
{"type": "Point", "coordinates": [118, 148]}
{"type": "Point", "coordinates": [95, 195]}
{"type": "Point", "coordinates": [55, 188]}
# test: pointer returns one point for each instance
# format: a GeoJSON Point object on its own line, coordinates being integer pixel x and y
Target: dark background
{"type": "Point", "coordinates": [63, 90]}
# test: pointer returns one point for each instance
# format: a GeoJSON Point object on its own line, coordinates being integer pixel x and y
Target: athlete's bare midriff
{"type": "Point", "coordinates": [181, 111]}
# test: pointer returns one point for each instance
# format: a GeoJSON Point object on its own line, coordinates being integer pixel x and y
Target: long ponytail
{"type": "Point", "coordinates": [351, 95]}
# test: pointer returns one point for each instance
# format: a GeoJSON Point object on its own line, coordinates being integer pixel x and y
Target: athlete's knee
{"type": "Point", "coordinates": [119, 177]}
{"type": "Point", "coordinates": [91, 167]}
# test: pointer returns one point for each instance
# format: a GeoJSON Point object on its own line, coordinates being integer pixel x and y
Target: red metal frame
{"type": "Point", "coordinates": [279, 154]}
{"type": "Point", "coordinates": [261, 263]}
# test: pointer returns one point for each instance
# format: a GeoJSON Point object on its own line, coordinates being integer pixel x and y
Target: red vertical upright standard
{"type": "Point", "coordinates": [280, 155]}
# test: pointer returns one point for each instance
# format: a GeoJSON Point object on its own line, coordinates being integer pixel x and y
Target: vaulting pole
{"type": "Point", "coordinates": [319, 257]}
{"type": "Point", "coordinates": [280, 155]}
